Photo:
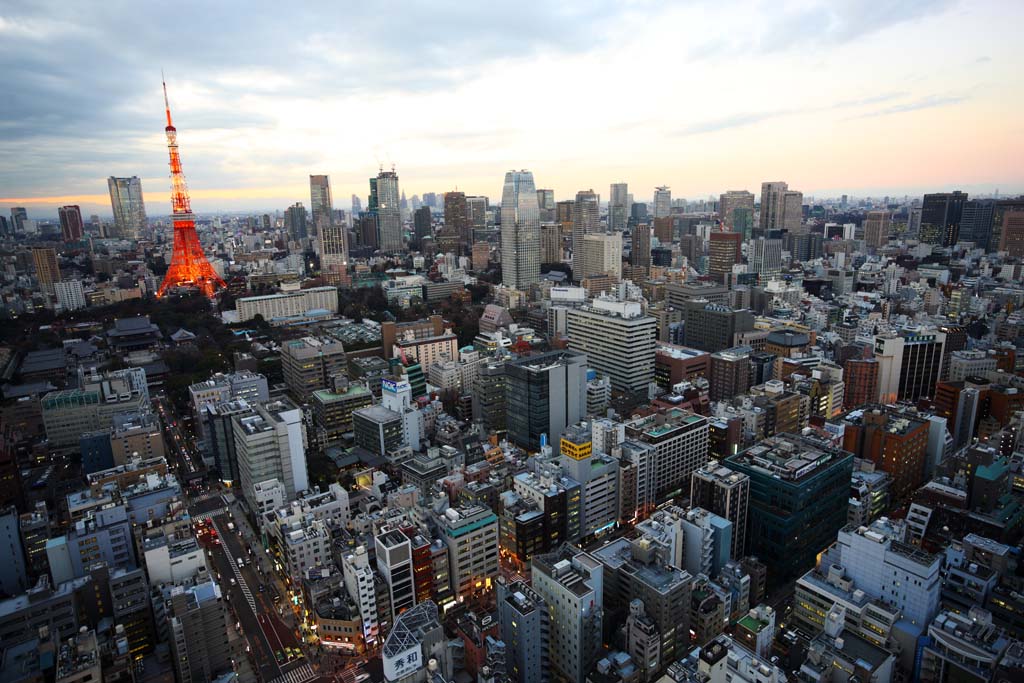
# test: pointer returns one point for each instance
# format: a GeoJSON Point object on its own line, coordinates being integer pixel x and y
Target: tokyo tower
{"type": "Point", "coordinates": [189, 267]}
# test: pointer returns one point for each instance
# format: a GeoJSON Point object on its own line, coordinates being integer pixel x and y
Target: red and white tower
{"type": "Point", "coordinates": [189, 267]}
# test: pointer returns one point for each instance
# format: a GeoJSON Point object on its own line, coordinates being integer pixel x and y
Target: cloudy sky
{"type": "Point", "coordinates": [833, 96]}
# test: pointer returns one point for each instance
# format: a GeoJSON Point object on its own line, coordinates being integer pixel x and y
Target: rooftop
{"type": "Point", "coordinates": [789, 457]}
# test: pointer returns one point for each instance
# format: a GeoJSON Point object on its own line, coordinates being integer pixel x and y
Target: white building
{"type": "Point", "coordinates": [358, 579]}
{"type": "Point", "coordinates": [619, 341]}
{"type": "Point", "coordinates": [270, 443]}
{"type": "Point", "coordinates": [70, 295]}
{"type": "Point", "coordinates": [288, 303]}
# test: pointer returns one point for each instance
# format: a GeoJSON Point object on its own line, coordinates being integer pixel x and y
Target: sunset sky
{"type": "Point", "coordinates": [832, 96]}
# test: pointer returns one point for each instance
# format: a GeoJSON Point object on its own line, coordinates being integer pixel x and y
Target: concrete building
{"type": "Point", "coordinates": [471, 536]}
{"type": "Point", "coordinates": [525, 624]}
{"type": "Point", "coordinates": [598, 477]}
{"type": "Point", "coordinates": [13, 572]}
{"type": "Point", "coordinates": [312, 363]}
{"type": "Point", "coordinates": [199, 632]}
{"type": "Point", "coordinates": [69, 413]}
{"type": "Point", "coordinates": [70, 295]}
{"type": "Point", "coordinates": [909, 364]}
{"type": "Point", "coordinates": [618, 340]}
{"type": "Point", "coordinates": [601, 255]}
{"type": "Point", "coordinates": [358, 578]}
{"type": "Point", "coordinates": [680, 442]}
{"type": "Point", "coordinates": [103, 534]}
{"type": "Point", "coordinates": [796, 483]}
{"type": "Point", "coordinates": [730, 372]}
{"type": "Point", "coordinates": [726, 493]}
{"type": "Point", "coordinates": [378, 429]}
{"type": "Point", "coordinates": [963, 647]}
{"type": "Point", "coordinates": [586, 220]}
{"type": "Point", "coordinates": [713, 327]}
{"type": "Point", "coordinates": [270, 443]}
{"type": "Point", "coordinates": [395, 564]}
{"type": "Point", "coordinates": [278, 308]}
{"type": "Point", "coordinates": [544, 394]}
{"type": "Point", "coordinates": [571, 582]}
{"type": "Point", "coordinates": [332, 412]}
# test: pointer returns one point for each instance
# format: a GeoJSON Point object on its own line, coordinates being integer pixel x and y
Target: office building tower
{"type": "Point", "coordinates": [730, 372]}
{"type": "Point", "coordinates": [71, 227]}
{"type": "Point", "coordinates": [199, 632]}
{"type": "Point", "coordinates": [394, 563]}
{"type": "Point", "coordinates": [618, 207]}
{"type": "Point", "coordinates": [358, 577]}
{"type": "Point", "coordinates": [571, 582]}
{"type": "Point", "coordinates": [550, 242]}
{"type": "Point", "coordinates": [601, 254]}
{"type": "Point", "coordinates": [19, 214]}
{"type": "Point", "coordinates": [525, 623]}
{"type": "Point", "coordinates": [597, 474]}
{"type": "Point", "coordinates": [520, 231]}
{"type": "Point", "coordinates": [47, 270]}
{"type": "Point", "coordinates": [640, 252]}
{"type": "Point", "coordinates": [295, 222]}
{"type": "Point", "coordinates": [34, 528]}
{"type": "Point", "coordinates": [546, 205]}
{"type": "Point", "coordinates": [773, 205]}
{"type": "Point", "coordinates": [1002, 207]}
{"type": "Point", "coordinates": [386, 199]}
{"type": "Point", "coordinates": [321, 206]}
{"type": "Point", "coordinates": [128, 206]}
{"type": "Point", "coordinates": [456, 220]}
{"type": "Point", "coordinates": [421, 222]}
{"type": "Point", "coordinates": [680, 442]}
{"type": "Point", "coordinates": [332, 412]}
{"type": "Point", "coordinates": [471, 535]}
{"type": "Point", "coordinates": [726, 493]}
{"type": "Point", "coordinates": [1012, 232]}
{"type": "Point", "coordinates": [310, 363]}
{"type": "Point", "coordinates": [736, 208]}
{"type": "Point", "coordinates": [545, 393]}
{"type": "Point", "coordinates": [586, 219]}
{"type": "Point", "coordinates": [876, 229]}
{"type": "Point", "coordinates": [909, 364]}
{"type": "Point", "coordinates": [724, 251]}
{"type": "Point", "coordinates": [245, 386]}
{"type": "Point", "coordinates": [477, 209]}
{"type": "Point", "coordinates": [638, 213]}
{"type": "Point", "coordinates": [378, 429]}
{"type": "Point", "coordinates": [270, 443]}
{"type": "Point", "coordinates": [813, 479]}
{"type": "Point", "coordinates": [765, 257]}
{"type": "Point", "coordinates": [618, 340]}
{"type": "Point", "coordinates": [70, 295]}
{"type": "Point", "coordinates": [861, 378]}
{"type": "Point", "coordinates": [13, 573]}
{"type": "Point", "coordinates": [941, 214]}
{"type": "Point", "coordinates": [357, 204]}
{"type": "Point", "coordinates": [662, 202]}
{"type": "Point", "coordinates": [713, 327]}
{"type": "Point", "coordinates": [103, 534]}
{"type": "Point", "coordinates": [895, 441]}
{"type": "Point", "coordinates": [334, 252]}
{"type": "Point", "coordinates": [793, 212]}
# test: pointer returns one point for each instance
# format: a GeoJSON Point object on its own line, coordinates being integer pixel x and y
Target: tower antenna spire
{"type": "Point", "coordinates": [167, 103]}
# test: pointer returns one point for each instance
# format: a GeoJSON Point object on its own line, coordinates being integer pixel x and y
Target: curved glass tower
{"type": "Point", "coordinates": [520, 231]}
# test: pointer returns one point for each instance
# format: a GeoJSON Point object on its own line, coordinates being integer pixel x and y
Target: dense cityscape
{"type": "Point", "coordinates": [763, 436]}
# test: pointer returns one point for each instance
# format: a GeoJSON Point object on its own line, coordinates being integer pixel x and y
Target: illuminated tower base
{"type": "Point", "coordinates": [189, 267]}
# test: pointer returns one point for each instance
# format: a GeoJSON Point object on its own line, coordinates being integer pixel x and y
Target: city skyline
{"type": "Point", "coordinates": [698, 118]}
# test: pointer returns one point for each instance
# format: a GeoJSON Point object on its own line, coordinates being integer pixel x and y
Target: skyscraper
{"type": "Point", "coordinates": [618, 207]}
{"type": "Point", "coordinates": [357, 204]}
{"type": "Point", "coordinates": [793, 212]}
{"type": "Point", "coordinates": [640, 253]}
{"type": "Point", "coordinates": [19, 214]}
{"type": "Point", "coordinates": [421, 221]}
{"type": "Point", "coordinates": [47, 270]}
{"type": "Point", "coordinates": [546, 203]}
{"type": "Point", "coordinates": [724, 250]}
{"type": "Point", "coordinates": [384, 188]}
{"type": "Point", "coordinates": [586, 216]}
{"type": "Point", "coordinates": [295, 222]}
{"type": "Point", "coordinates": [618, 340]}
{"type": "Point", "coordinates": [320, 204]}
{"type": "Point", "coordinates": [334, 252]}
{"type": "Point", "coordinates": [726, 493]}
{"type": "Point", "coordinates": [977, 221]}
{"type": "Point", "coordinates": [520, 231]}
{"type": "Point", "coordinates": [456, 220]}
{"type": "Point", "coordinates": [728, 204]}
{"type": "Point", "coordinates": [128, 206]}
{"type": "Point", "coordinates": [941, 214]}
{"type": "Point", "coordinates": [876, 229]}
{"type": "Point", "coordinates": [601, 255]}
{"type": "Point", "coordinates": [765, 258]}
{"type": "Point", "coordinates": [662, 201]}
{"type": "Point", "coordinates": [70, 223]}
{"type": "Point", "coordinates": [545, 394]}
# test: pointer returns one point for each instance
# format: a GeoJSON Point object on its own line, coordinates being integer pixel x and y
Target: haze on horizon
{"type": "Point", "coordinates": [841, 96]}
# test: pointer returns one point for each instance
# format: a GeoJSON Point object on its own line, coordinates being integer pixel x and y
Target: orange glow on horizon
{"type": "Point", "coordinates": [269, 192]}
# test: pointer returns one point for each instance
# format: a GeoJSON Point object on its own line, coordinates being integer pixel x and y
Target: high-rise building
{"type": "Point", "coordinates": [618, 207]}
{"type": "Point", "coordinates": [793, 212]}
{"type": "Point", "coordinates": [713, 327]}
{"type": "Point", "coordinates": [47, 270]}
{"type": "Point", "coordinates": [1003, 206]}
{"type": "Point", "coordinates": [976, 222]}
{"type": "Point", "coordinates": [71, 227]}
{"type": "Point", "coordinates": [640, 252]}
{"type": "Point", "coordinates": [601, 254]}
{"type": "Point", "coordinates": [13, 574]}
{"type": "Point", "coordinates": [199, 632]}
{"type": "Point", "coordinates": [730, 372]}
{"type": "Point", "coordinates": [662, 201]}
{"type": "Point", "coordinates": [798, 500]}
{"type": "Point", "coordinates": [896, 442]}
{"type": "Point", "coordinates": [520, 231]}
{"type": "Point", "coordinates": [70, 294]}
{"type": "Point", "coordinates": [724, 251]}
{"type": "Point", "coordinates": [571, 582]}
{"type": "Point", "coordinates": [128, 206]}
{"type": "Point", "coordinates": [550, 242]}
{"type": "Point", "coordinates": [295, 222]}
{"type": "Point", "coordinates": [546, 204]}
{"type": "Point", "coordinates": [477, 209]}
{"type": "Point", "coordinates": [941, 214]}
{"type": "Point", "coordinates": [1012, 231]}
{"type": "Point", "coordinates": [618, 340]}
{"type": "Point", "coordinates": [861, 378]}
{"type": "Point", "coordinates": [270, 443]}
{"type": "Point", "coordinates": [394, 563]}
{"type": "Point", "coordinates": [320, 204]}
{"type": "Point", "coordinates": [598, 476]}
{"type": "Point", "coordinates": [525, 624]}
{"type": "Point", "coordinates": [384, 191]}
{"type": "Point", "coordinates": [310, 363]}
{"type": "Point", "coordinates": [357, 204]}
{"type": "Point", "coordinates": [909, 364]}
{"type": "Point", "coordinates": [736, 209]}
{"type": "Point", "coordinates": [765, 256]}
{"type": "Point", "coordinates": [19, 214]}
{"type": "Point", "coordinates": [456, 219]}
{"type": "Point", "coordinates": [772, 207]}
{"type": "Point", "coordinates": [421, 221]}
{"type": "Point", "coordinates": [471, 535]}
{"type": "Point", "coordinates": [586, 219]}
{"type": "Point", "coordinates": [726, 493]}
{"type": "Point", "coordinates": [544, 394]}
{"type": "Point", "coordinates": [876, 229]}
{"type": "Point", "coordinates": [334, 252]}
{"type": "Point", "coordinates": [680, 442]}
